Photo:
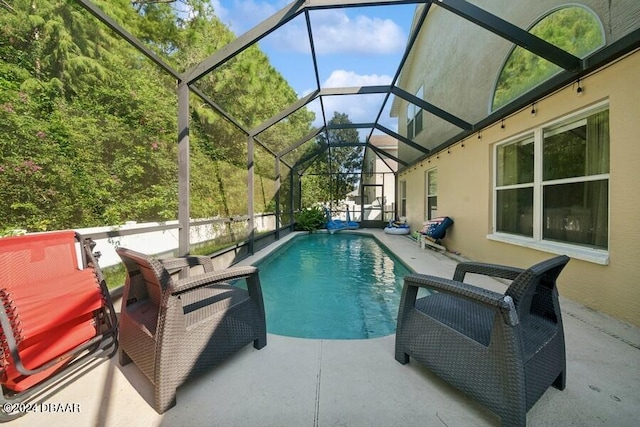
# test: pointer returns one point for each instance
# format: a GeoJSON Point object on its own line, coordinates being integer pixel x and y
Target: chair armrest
{"type": "Point", "coordinates": [232, 273]}
{"type": "Point", "coordinates": [486, 297]}
{"type": "Point", "coordinates": [173, 264]}
{"type": "Point", "coordinates": [493, 270]}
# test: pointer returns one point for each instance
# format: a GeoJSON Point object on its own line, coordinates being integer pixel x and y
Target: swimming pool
{"type": "Point", "coordinates": [340, 286]}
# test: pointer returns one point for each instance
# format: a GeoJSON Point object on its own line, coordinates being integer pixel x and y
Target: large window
{"type": "Point", "coordinates": [574, 29]}
{"type": "Point", "coordinates": [414, 116]}
{"type": "Point", "coordinates": [431, 196]}
{"type": "Point", "coordinates": [552, 185]}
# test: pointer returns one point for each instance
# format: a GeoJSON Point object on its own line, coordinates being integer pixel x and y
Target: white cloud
{"type": "Point", "coordinates": [343, 78]}
{"type": "Point", "coordinates": [241, 15]}
{"type": "Point", "coordinates": [359, 108]}
{"type": "Point", "coordinates": [221, 12]}
{"type": "Point", "coordinates": [335, 32]}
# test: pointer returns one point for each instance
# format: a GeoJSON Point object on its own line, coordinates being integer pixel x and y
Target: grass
{"type": "Point", "coordinates": [114, 275]}
{"type": "Point", "coordinates": [209, 248]}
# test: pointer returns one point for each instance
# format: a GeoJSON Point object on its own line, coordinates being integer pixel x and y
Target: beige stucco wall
{"type": "Point", "coordinates": [458, 62]}
{"type": "Point", "coordinates": [465, 188]}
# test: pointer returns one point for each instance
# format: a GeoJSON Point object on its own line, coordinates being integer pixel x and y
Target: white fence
{"type": "Point", "coordinates": [158, 241]}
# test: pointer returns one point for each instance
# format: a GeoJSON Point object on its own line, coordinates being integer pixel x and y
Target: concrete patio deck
{"type": "Point", "coordinates": [301, 382]}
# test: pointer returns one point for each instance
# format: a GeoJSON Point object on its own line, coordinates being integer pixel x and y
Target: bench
{"type": "Point", "coordinates": [56, 313]}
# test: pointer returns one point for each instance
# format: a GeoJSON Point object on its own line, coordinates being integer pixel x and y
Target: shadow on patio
{"type": "Point", "coordinates": [303, 382]}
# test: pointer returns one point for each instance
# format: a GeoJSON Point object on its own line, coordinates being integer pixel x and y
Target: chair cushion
{"type": "Point", "coordinates": [205, 302]}
{"type": "Point", "coordinates": [467, 317]}
{"type": "Point", "coordinates": [145, 314]}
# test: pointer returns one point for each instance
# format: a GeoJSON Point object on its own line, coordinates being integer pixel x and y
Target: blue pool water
{"type": "Point", "coordinates": [340, 286]}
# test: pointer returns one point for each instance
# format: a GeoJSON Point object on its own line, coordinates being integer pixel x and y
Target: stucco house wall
{"type": "Point", "coordinates": [380, 172]}
{"type": "Point", "coordinates": [465, 182]}
{"type": "Point", "coordinates": [458, 62]}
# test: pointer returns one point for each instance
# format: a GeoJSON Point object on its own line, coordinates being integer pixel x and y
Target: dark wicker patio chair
{"type": "Point", "coordinates": [502, 350]}
{"type": "Point", "coordinates": [174, 329]}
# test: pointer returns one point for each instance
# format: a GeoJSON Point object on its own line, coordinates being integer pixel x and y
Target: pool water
{"type": "Point", "coordinates": [340, 286]}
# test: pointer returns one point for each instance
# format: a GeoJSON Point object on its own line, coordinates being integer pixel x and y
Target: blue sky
{"type": "Point", "coordinates": [354, 46]}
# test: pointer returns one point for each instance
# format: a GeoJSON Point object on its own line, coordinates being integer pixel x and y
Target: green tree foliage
{"type": "Point", "coordinates": [310, 219]}
{"type": "Point", "coordinates": [573, 29]}
{"type": "Point", "coordinates": [249, 89]}
{"type": "Point", "coordinates": [335, 172]}
{"type": "Point", "coordinates": [89, 124]}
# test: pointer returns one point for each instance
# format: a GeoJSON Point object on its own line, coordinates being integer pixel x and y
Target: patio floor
{"type": "Point", "coordinates": [301, 382]}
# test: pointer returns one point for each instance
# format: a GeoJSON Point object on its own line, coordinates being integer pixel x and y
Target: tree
{"type": "Point", "coordinates": [89, 124]}
{"type": "Point", "coordinates": [336, 171]}
{"type": "Point", "coordinates": [573, 29]}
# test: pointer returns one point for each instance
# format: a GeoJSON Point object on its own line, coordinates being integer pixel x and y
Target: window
{"type": "Point", "coordinates": [414, 116]}
{"type": "Point", "coordinates": [553, 185]}
{"type": "Point", "coordinates": [403, 198]}
{"type": "Point", "coordinates": [431, 197]}
{"type": "Point", "coordinates": [574, 29]}
{"type": "Point", "coordinates": [514, 180]}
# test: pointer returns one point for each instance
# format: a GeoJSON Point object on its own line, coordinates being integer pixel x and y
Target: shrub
{"type": "Point", "coordinates": [310, 219]}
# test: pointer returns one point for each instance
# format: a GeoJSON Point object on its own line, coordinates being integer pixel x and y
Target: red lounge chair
{"type": "Point", "coordinates": [55, 313]}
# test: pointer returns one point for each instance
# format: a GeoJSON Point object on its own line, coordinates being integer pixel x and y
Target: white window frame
{"type": "Point", "coordinates": [428, 195]}
{"type": "Point", "coordinates": [412, 115]}
{"type": "Point", "coordinates": [402, 190]}
{"type": "Point", "coordinates": [598, 256]}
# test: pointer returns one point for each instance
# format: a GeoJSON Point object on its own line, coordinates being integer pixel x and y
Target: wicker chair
{"type": "Point", "coordinates": [174, 329]}
{"type": "Point", "coordinates": [502, 350]}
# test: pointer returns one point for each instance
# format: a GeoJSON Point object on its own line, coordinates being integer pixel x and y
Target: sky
{"type": "Point", "coordinates": [354, 47]}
